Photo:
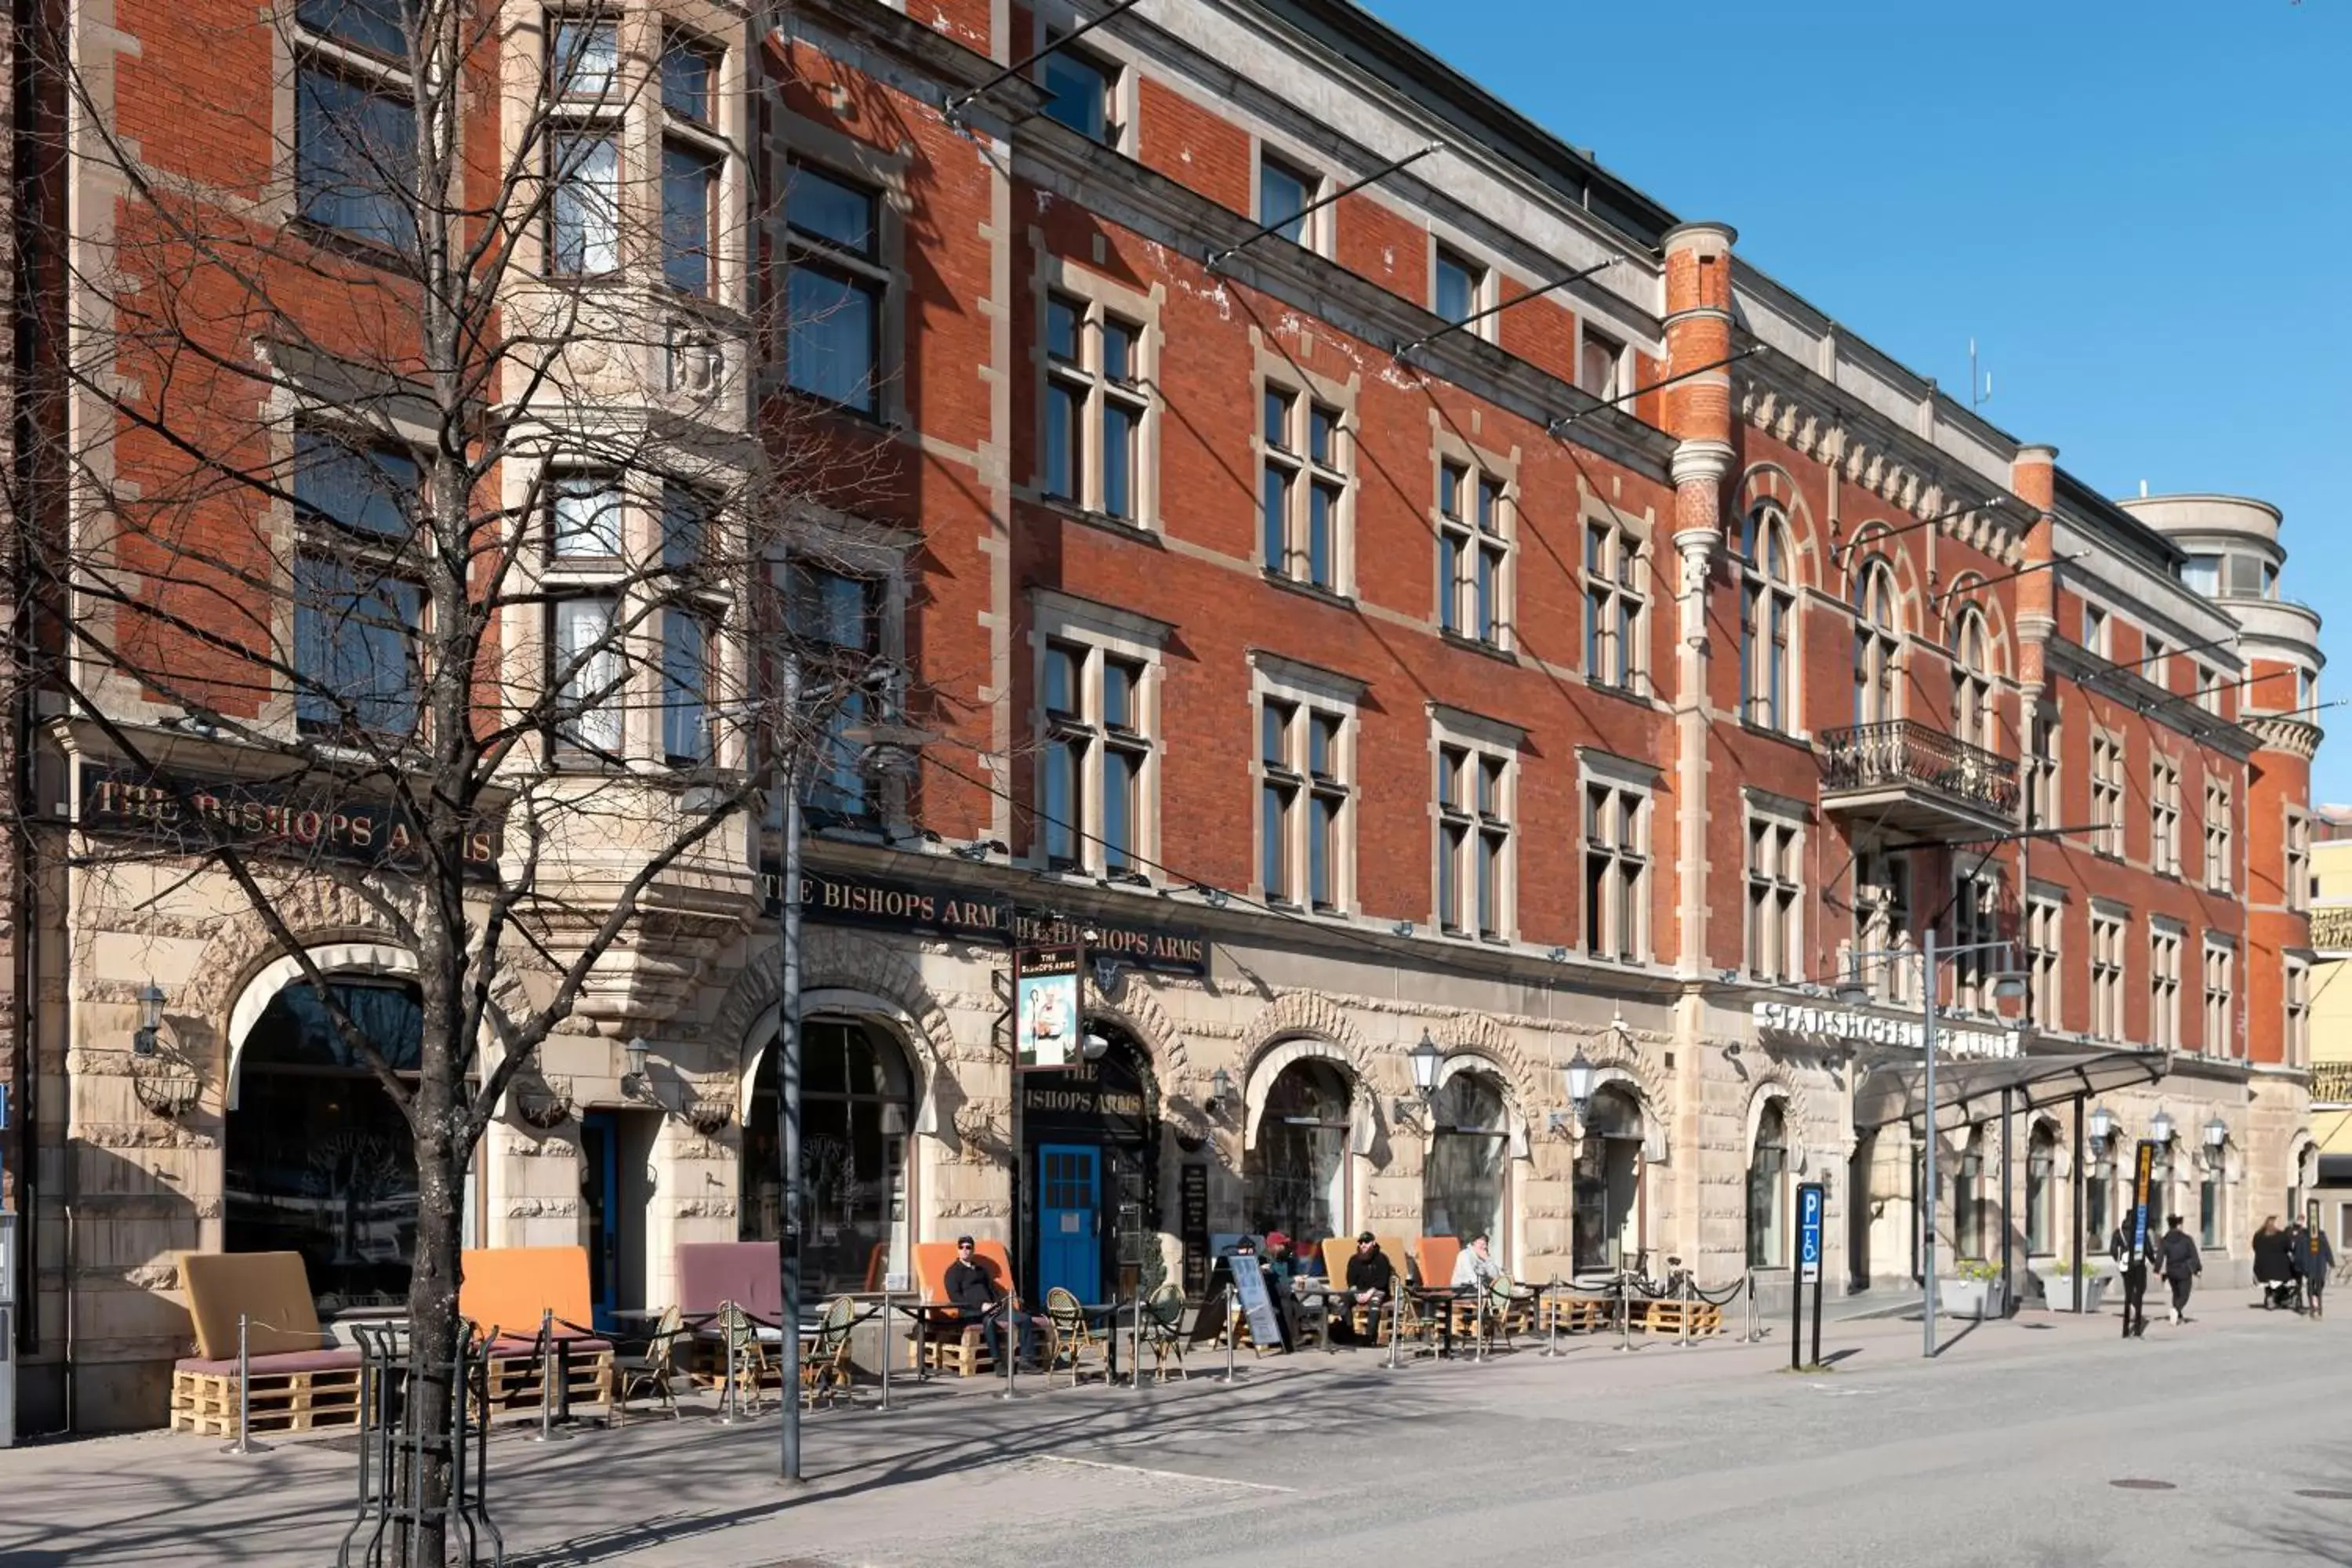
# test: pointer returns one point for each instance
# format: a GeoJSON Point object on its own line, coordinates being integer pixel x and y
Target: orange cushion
{"type": "Point", "coordinates": [270, 1290]}
{"type": "Point", "coordinates": [1438, 1255]}
{"type": "Point", "coordinates": [507, 1289]}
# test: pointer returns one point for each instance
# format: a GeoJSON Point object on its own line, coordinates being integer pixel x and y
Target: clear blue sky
{"type": "Point", "coordinates": [2142, 212]}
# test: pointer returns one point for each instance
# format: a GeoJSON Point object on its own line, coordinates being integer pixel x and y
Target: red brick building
{"type": "Point", "coordinates": [1428, 620]}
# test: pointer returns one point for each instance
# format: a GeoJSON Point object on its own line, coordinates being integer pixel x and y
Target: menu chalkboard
{"type": "Point", "coordinates": [1193, 1224]}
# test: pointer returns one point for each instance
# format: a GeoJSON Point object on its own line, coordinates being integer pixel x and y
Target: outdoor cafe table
{"type": "Point", "coordinates": [1445, 1299]}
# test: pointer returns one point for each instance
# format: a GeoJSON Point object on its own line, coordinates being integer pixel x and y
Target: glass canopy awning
{"type": "Point", "coordinates": [1969, 1091]}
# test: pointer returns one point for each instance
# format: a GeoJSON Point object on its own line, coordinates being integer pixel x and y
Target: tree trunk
{"type": "Point", "coordinates": [434, 1325]}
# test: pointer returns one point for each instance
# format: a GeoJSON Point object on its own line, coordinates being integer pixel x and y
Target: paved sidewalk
{"type": "Point", "coordinates": [951, 1460]}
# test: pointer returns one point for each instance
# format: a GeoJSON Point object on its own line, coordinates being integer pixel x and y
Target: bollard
{"type": "Point", "coordinates": [547, 1432]}
{"type": "Point", "coordinates": [1624, 1315]}
{"type": "Point", "coordinates": [728, 1414]}
{"type": "Point", "coordinates": [1135, 1340]}
{"type": "Point", "coordinates": [1551, 1294]}
{"type": "Point", "coordinates": [887, 1308]}
{"type": "Point", "coordinates": [1008, 1345]}
{"type": "Point", "coordinates": [1232, 1333]}
{"type": "Point", "coordinates": [245, 1443]}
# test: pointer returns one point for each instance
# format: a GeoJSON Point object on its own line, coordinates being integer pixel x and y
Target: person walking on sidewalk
{"type": "Point", "coordinates": [2319, 1262]}
{"type": "Point", "coordinates": [2274, 1264]}
{"type": "Point", "coordinates": [2177, 1256]}
{"type": "Point", "coordinates": [2133, 1268]}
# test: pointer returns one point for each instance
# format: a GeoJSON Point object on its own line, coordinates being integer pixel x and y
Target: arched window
{"type": "Point", "coordinates": [1967, 1198]}
{"type": "Point", "coordinates": [1768, 610]}
{"type": "Point", "coordinates": [1298, 1173]}
{"type": "Point", "coordinates": [319, 1160]}
{"type": "Point", "coordinates": [1768, 1190]}
{"type": "Point", "coordinates": [1876, 645]}
{"type": "Point", "coordinates": [855, 1097]}
{"type": "Point", "coordinates": [1971, 681]}
{"type": "Point", "coordinates": [1465, 1184]}
{"type": "Point", "coordinates": [2040, 1191]}
{"type": "Point", "coordinates": [1608, 1186]}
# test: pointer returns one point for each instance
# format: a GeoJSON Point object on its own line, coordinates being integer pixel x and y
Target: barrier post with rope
{"type": "Point", "coordinates": [547, 1432]}
{"type": "Point", "coordinates": [245, 1443]}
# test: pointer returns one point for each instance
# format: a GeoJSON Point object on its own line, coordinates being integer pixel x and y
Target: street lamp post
{"type": "Point", "coordinates": [2006, 983]}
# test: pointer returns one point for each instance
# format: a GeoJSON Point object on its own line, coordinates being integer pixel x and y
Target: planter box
{"type": "Point", "coordinates": [1970, 1297]}
{"type": "Point", "coordinates": [2058, 1291]}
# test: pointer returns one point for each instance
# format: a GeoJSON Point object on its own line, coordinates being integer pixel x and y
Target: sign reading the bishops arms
{"type": "Point", "coordinates": [291, 822]}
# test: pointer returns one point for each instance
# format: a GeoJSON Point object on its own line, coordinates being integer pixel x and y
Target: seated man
{"type": "Point", "coordinates": [1370, 1277]}
{"type": "Point", "coordinates": [1475, 1268]}
{"type": "Point", "coordinates": [976, 1292]}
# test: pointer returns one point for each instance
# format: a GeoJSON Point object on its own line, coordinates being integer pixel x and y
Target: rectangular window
{"type": "Point", "coordinates": [2221, 1032]}
{"type": "Point", "coordinates": [687, 70]}
{"type": "Point", "coordinates": [356, 616]}
{"type": "Point", "coordinates": [1304, 488]}
{"type": "Point", "coordinates": [686, 650]}
{"type": "Point", "coordinates": [378, 27]}
{"type": "Point", "coordinates": [1616, 872]}
{"type": "Point", "coordinates": [1081, 91]}
{"type": "Point", "coordinates": [585, 669]}
{"type": "Point", "coordinates": [584, 514]}
{"type": "Point", "coordinates": [2107, 976]}
{"type": "Point", "coordinates": [2208, 1206]}
{"type": "Point", "coordinates": [833, 296]}
{"type": "Point", "coordinates": [2042, 769]}
{"type": "Point", "coordinates": [2044, 921]}
{"type": "Point", "coordinates": [2217, 835]}
{"type": "Point", "coordinates": [1598, 364]}
{"type": "Point", "coordinates": [2209, 689]}
{"type": "Point", "coordinates": [2156, 661]}
{"type": "Point", "coordinates": [355, 154]}
{"type": "Point", "coordinates": [1096, 401]}
{"type": "Point", "coordinates": [1882, 886]}
{"type": "Point", "coordinates": [1473, 847]}
{"type": "Point", "coordinates": [835, 622]}
{"type": "Point", "coordinates": [2164, 811]}
{"type": "Point", "coordinates": [1774, 888]}
{"type": "Point", "coordinates": [2298, 1014]}
{"type": "Point", "coordinates": [1302, 847]}
{"type": "Point", "coordinates": [1614, 648]}
{"type": "Point", "coordinates": [2108, 795]}
{"type": "Point", "coordinates": [2298, 861]}
{"type": "Point", "coordinates": [1096, 770]}
{"type": "Point", "coordinates": [1459, 286]}
{"type": "Point", "coordinates": [1473, 554]}
{"type": "Point", "coordinates": [1976, 921]}
{"type": "Point", "coordinates": [2202, 574]}
{"type": "Point", "coordinates": [689, 197]}
{"type": "Point", "coordinates": [1284, 194]}
{"type": "Point", "coordinates": [2164, 988]}
{"type": "Point", "coordinates": [583, 58]}
{"type": "Point", "coordinates": [2094, 629]}
{"type": "Point", "coordinates": [584, 213]}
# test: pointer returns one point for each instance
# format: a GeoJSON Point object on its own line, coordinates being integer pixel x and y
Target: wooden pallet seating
{"type": "Point", "coordinates": [944, 1348]}
{"type": "Point", "coordinates": [509, 1291]}
{"type": "Point", "coordinates": [300, 1379]}
{"type": "Point", "coordinates": [1696, 1319]}
{"type": "Point", "coordinates": [1577, 1314]}
{"type": "Point", "coordinates": [293, 1393]}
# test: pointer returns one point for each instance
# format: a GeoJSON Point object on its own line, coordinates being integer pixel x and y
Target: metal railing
{"type": "Point", "coordinates": [2331, 927]}
{"type": "Point", "coordinates": [2331, 1083]}
{"type": "Point", "coordinates": [1903, 752]}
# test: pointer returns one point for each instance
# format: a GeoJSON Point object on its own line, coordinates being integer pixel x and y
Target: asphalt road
{"type": "Point", "coordinates": [2006, 1450]}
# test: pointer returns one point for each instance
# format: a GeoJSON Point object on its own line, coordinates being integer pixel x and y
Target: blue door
{"type": "Point", "coordinates": [1069, 1229]}
{"type": "Point", "coordinates": [599, 1190]}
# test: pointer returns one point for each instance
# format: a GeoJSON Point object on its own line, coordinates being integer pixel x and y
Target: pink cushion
{"type": "Point", "coordinates": [748, 1273]}
{"type": "Point", "coordinates": [285, 1361]}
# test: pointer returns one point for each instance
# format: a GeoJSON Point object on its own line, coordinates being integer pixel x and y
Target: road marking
{"type": "Point", "coordinates": [1163, 1475]}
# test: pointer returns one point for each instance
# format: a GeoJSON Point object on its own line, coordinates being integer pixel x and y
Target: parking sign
{"type": "Point", "coordinates": [1809, 1207]}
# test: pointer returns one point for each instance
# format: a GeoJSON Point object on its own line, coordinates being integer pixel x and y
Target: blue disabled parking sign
{"type": "Point", "coordinates": [1809, 1232]}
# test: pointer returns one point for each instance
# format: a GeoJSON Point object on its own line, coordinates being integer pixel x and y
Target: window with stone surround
{"type": "Point", "coordinates": [2045, 927]}
{"type": "Point", "coordinates": [1775, 897]}
{"type": "Point", "coordinates": [2221, 1031]}
{"type": "Point", "coordinates": [1306, 479]}
{"type": "Point", "coordinates": [2107, 974]}
{"type": "Point", "coordinates": [1474, 536]}
{"type": "Point", "coordinates": [2164, 942]}
{"type": "Point", "coordinates": [1097, 717]}
{"type": "Point", "coordinates": [2297, 841]}
{"type": "Point", "coordinates": [1306, 761]}
{"type": "Point", "coordinates": [2217, 835]}
{"type": "Point", "coordinates": [1098, 420]}
{"type": "Point", "coordinates": [1616, 650]}
{"type": "Point", "coordinates": [355, 119]}
{"type": "Point", "coordinates": [1616, 810]}
{"type": "Point", "coordinates": [2108, 795]}
{"type": "Point", "coordinates": [2164, 812]}
{"type": "Point", "coordinates": [1768, 613]}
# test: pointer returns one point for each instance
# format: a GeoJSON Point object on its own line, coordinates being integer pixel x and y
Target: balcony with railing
{"type": "Point", "coordinates": [2331, 1083]}
{"type": "Point", "coordinates": [1915, 779]}
{"type": "Point", "coordinates": [2331, 927]}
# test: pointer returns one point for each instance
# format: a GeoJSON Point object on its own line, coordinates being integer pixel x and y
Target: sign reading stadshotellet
{"type": "Point", "coordinates": [1878, 1029]}
{"type": "Point", "coordinates": [1045, 1008]}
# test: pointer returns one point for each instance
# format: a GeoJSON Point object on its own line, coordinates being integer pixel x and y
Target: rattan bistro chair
{"type": "Point", "coordinates": [1072, 1344]}
{"type": "Point", "coordinates": [825, 1372]}
{"type": "Point", "coordinates": [1164, 1330]}
{"type": "Point", "coordinates": [740, 1334]}
{"type": "Point", "coordinates": [651, 1369]}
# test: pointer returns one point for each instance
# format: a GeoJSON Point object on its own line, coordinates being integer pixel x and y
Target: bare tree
{"type": "Point", "coordinates": [429, 461]}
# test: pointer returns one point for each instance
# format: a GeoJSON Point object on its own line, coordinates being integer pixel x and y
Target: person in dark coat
{"type": "Point", "coordinates": [2318, 1261]}
{"type": "Point", "coordinates": [2273, 1263]}
{"type": "Point", "coordinates": [2178, 1258]}
{"type": "Point", "coordinates": [1370, 1277]}
{"type": "Point", "coordinates": [973, 1290]}
{"type": "Point", "coordinates": [2132, 1268]}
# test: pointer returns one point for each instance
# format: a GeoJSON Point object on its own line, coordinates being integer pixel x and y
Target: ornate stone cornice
{"type": "Point", "coordinates": [1795, 407]}
{"type": "Point", "coordinates": [2296, 737]}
